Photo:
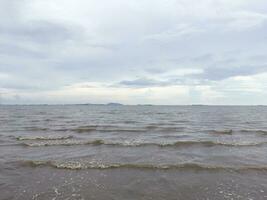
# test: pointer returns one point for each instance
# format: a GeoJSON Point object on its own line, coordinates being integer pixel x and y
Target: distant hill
{"type": "Point", "coordinates": [114, 104]}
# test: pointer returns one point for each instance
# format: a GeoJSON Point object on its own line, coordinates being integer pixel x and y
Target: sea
{"type": "Point", "coordinates": [145, 152]}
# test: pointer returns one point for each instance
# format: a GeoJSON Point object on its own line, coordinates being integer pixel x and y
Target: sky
{"type": "Point", "coordinates": [166, 52]}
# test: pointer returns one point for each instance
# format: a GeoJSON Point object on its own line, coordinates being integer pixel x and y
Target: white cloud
{"type": "Point", "coordinates": [245, 20]}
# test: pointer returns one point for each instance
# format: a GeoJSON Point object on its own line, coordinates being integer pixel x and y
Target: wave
{"type": "Point", "coordinates": [181, 121]}
{"type": "Point", "coordinates": [164, 128]}
{"type": "Point", "coordinates": [223, 132]}
{"type": "Point", "coordinates": [102, 128]}
{"type": "Point", "coordinates": [76, 165]}
{"type": "Point", "coordinates": [110, 128]}
{"type": "Point", "coordinates": [130, 122]}
{"type": "Point", "coordinates": [129, 130]}
{"type": "Point", "coordinates": [65, 142]}
{"type": "Point", "coordinates": [27, 129]}
{"type": "Point", "coordinates": [263, 132]}
{"type": "Point", "coordinates": [78, 130]}
{"type": "Point", "coordinates": [152, 127]}
{"type": "Point", "coordinates": [84, 130]}
{"type": "Point", "coordinates": [36, 129]}
{"type": "Point", "coordinates": [44, 137]}
{"type": "Point", "coordinates": [213, 143]}
{"type": "Point", "coordinates": [70, 142]}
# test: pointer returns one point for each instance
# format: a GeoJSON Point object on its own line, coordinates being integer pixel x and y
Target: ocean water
{"type": "Point", "coordinates": [133, 152]}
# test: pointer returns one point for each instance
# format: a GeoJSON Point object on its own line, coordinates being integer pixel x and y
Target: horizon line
{"type": "Point", "coordinates": [120, 104]}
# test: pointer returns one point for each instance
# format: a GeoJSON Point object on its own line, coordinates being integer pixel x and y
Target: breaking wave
{"type": "Point", "coordinates": [66, 142]}
{"type": "Point", "coordinates": [70, 142]}
{"type": "Point", "coordinates": [44, 137]}
{"type": "Point", "coordinates": [76, 165]}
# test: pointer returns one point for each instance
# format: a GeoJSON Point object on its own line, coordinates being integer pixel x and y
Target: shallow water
{"type": "Point", "coordinates": [133, 152]}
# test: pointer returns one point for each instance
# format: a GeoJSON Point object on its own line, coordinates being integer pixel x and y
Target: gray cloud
{"type": "Point", "coordinates": [214, 73]}
{"type": "Point", "coordinates": [44, 47]}
{"type": "Point", "coordinates": [143, 82]}
{"type": "Point", "coordinates": [37, 31]}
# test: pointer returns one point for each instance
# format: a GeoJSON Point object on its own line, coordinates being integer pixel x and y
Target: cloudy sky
{"type": "Point", "coordinates": [133, 52]}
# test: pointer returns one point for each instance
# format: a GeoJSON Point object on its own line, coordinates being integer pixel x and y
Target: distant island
{"type": "Point", "coordinates": [99, 104]}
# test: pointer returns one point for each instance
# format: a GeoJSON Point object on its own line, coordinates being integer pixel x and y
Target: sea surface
{"type": "Point", "coordinates": [133, 152]}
